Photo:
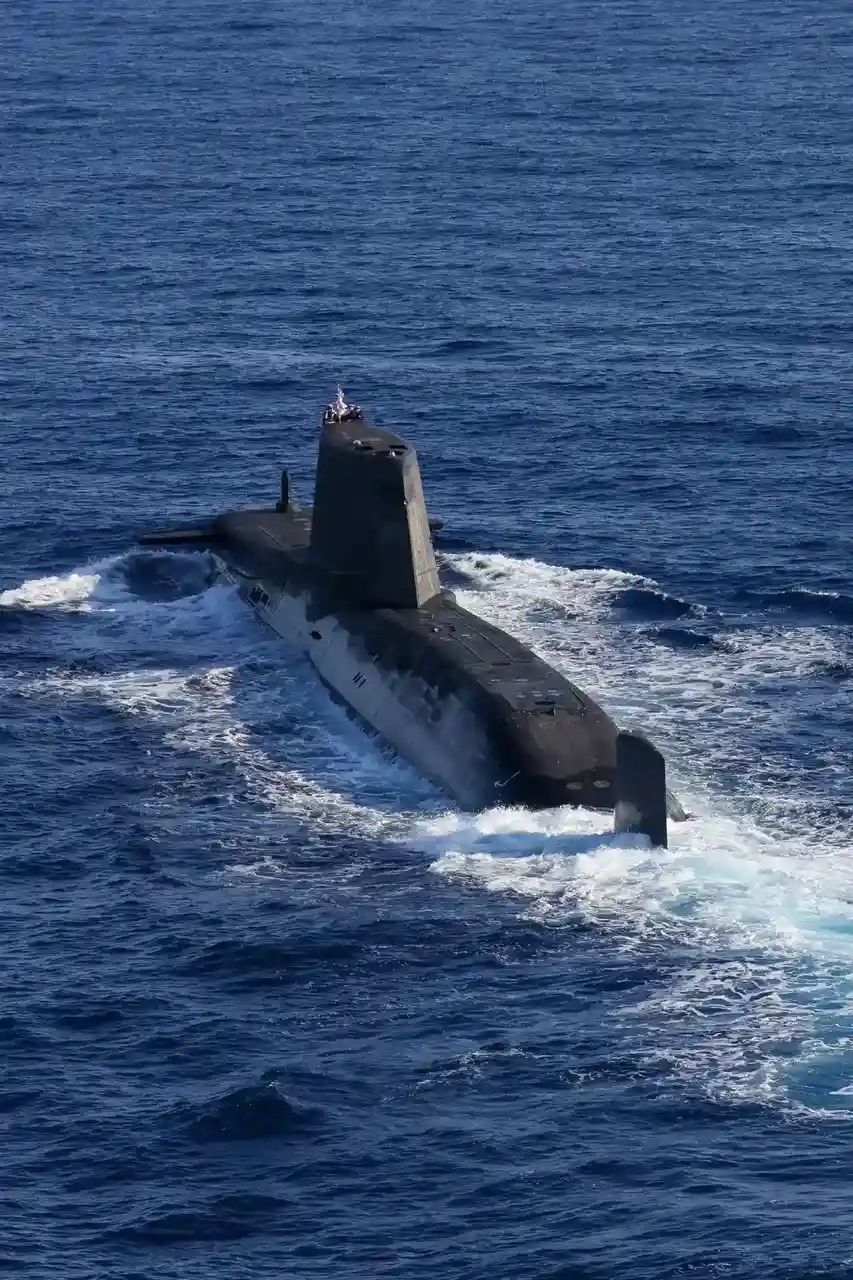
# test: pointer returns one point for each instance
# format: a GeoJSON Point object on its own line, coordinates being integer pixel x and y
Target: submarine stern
{"type": "Point", "coordinates": [556, 746]}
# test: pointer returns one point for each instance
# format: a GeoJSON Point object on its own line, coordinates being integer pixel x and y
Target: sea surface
{"type": "Point", "coordinates": [269, 1006]}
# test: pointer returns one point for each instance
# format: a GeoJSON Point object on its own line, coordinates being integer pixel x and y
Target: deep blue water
{"type": "Point", "coordinates": [267, 1007]}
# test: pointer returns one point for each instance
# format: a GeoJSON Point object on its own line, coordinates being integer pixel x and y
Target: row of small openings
{"type": "Point", "coordinates": [258, 596]}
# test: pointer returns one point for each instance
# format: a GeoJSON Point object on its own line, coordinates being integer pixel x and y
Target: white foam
{"type": "Point", "coordinates": [99, 587]}
{"type": "Point", "coordinates": [721, 880]}
{"type": "Point", "coordinates": [697, 703]}
{"type": "Point", "coordinates": [221, 685]}
{"type": "Point", "coordinates": [749, 879]}
{"type": "Point", "coordinates": [763, 929]}
{"type": "Point", "coordinates": [511, 585]}
{"type": "Point", "coordinates": [755, 901]}
{"type": "Point", "coordinates": [70, 591]}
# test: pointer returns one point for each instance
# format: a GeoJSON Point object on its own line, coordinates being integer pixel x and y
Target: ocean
{"type": "Point", "coordinates": [270, 1006]}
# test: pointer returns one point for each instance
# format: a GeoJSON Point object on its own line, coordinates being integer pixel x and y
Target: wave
{"type": "Point", "coordinates": [16, 619]}
{"type": "Point", "coordinates": [833, 605]}
{"type": "Point", "coordinates": [146, 576]}
{"type": "Point", "coordinates": [778, 435]}
{"type": "Point", "coordinates": [682, 638]}
{"type": "Point", "coordinates": [514, 582]}
{"type": "Point", "coordinates": [223, 1218]}
{"type": "Point", "coordinates": [650, 604]}
{"type": "Point", "coordinates": [248, 26]}
{"type": "Point", "coordinates": [63, 591]}
{"type": "Point", "coordinates": [165, 575]}
{"type": "Point", "coordinates": [830, 670]}
{"type": "Point", "coordinates": [269, 382]}
{"type": "Point", "coordinates": [251, 1114]}
{"type": "Point", "coordinates": [466, 346]}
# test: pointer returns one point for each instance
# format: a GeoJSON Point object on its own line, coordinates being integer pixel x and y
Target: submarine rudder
{"type": "Point", "coordinates": [641, 800]}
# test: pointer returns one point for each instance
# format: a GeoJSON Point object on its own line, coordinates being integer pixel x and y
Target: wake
{"type": "Point", "coordinates": [757, 894]}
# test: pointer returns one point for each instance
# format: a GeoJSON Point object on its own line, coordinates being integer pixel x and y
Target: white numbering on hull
{"type": "Point", "coordinates": [443, 740]}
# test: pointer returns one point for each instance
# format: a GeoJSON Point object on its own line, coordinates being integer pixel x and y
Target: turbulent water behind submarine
{"type": "Point", "coordinates": [268, 1006]}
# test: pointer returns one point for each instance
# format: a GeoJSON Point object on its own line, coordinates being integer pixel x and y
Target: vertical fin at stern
{"type": "Point", "coordinates": [641, 797]}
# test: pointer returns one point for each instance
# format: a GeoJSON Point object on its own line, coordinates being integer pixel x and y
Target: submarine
{"type": "Point", "coordinates": [353, 582]}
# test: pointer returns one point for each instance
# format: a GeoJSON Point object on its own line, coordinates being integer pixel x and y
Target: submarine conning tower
{"type": "Point", "coordinates": [369, 527]}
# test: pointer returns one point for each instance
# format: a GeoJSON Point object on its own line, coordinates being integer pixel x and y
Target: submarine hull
{"type": "Point", "coordinates": [430, 707]}
{"type": "Point", "coordinates": [353, 583]}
